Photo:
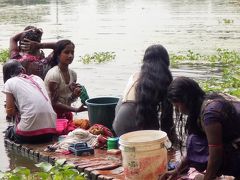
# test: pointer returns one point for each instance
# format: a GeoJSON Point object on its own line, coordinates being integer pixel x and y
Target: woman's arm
{"type": "Point", "coordinates": [11, 109]}
{"type": "Point", "coordinates": [57, 106]}
{"type": "Point", "coordinates": [214, 136]}
{"type": "Point", "coordinates": [14, 47]}
{"type": "Point", "coordinates": [14, 43]}
{"type": "Point", "coordinates": [34, 45]}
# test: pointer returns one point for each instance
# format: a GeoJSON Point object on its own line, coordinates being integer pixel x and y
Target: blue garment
{"type": "Point", "coordinates": [197, 152]}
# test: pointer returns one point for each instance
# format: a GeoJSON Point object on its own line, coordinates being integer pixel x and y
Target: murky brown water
{"type": "Point", "coordinates": [126, 27]}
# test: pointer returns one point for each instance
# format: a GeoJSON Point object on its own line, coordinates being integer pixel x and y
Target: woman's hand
{"type": "Point", "coordinates": [81, 108]}
{"type": "Point", "coordinates": [199, 177]}
{"type": "Point", "coordinates": [28, 45]}
{"type": "Point", "coordinates": [169, 175]}
{"type": "Point", "coordinates": [76, 89]}
{"type": "Point", "coordinates": [77, 92]}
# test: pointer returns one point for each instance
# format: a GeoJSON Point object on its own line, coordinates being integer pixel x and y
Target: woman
{"type": "Point", "coordinates": [60, 81]}
{"type": "Point", "coordinates": [145, 97]}
{"type": "Point", "coordinates": [25, 47]}
{"type": "Point", "coordinates": [27, 100]}
{"type": "Point", "coordinates": [212, 127]}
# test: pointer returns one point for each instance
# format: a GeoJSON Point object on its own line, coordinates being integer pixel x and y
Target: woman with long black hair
{"type": "Point", "coordinates": [144, 105]}
{"type": "Point", "coordinates": [212, 130]}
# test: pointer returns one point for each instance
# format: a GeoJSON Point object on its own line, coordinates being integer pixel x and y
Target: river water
{"type": "Point", "coordinates": [126, 27]}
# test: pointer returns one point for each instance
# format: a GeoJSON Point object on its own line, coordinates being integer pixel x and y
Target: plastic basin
{"type": "Point", "coordinates": [101, 110]}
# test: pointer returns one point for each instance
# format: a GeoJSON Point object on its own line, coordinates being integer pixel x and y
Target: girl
{"type": "Point", "coordinates": [60, 81]}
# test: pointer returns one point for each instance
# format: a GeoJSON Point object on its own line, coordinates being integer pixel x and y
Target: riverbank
{"type": "Point", "coordinates": [98, 166]}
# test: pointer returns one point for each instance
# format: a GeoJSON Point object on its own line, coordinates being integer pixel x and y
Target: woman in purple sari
{"type": "Point", "coordinates": [212, 128]}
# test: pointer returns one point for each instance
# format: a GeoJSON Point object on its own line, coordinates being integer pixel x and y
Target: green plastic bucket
{"type": "Point", "coordinates": [101, 110]}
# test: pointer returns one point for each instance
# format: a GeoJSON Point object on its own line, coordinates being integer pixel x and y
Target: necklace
{"type": "Point", "coordinates": [65, 75]}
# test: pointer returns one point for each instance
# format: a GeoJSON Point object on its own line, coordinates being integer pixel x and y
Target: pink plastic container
{"type": "Point", "coordinates": [61, 126]}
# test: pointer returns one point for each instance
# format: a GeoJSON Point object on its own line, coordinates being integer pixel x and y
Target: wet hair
{"type": "Point", "coordinates": [11, 68]}
{"type": "Point", "coordinates": [156, 52]}
{"type": "Point", "coordinates": [34, 35]}
{"type": "Point", "coordinates": [60, 46]}
{"type": "Point", "coordinates": [151, 90]}
{"type": "Point", "coordinates": [187, 91]}
{"type": "Point", "coordinates": [29, 27]}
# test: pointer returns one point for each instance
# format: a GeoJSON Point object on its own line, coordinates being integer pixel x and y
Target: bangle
{"type": "Point", "coordinates": [215, 145]}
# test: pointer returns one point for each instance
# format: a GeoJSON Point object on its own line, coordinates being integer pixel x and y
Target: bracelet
{"type": "Point", "coordinates": [215, 145]}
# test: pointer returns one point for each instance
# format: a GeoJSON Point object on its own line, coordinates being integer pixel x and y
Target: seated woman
{"type": "Point", "coordinates": [213, 123]}
{"type": "Point", "coordinates": [60, 81]}
{"type": "Point", "coordinates": [144, 105]}
{"type": "Point", "coordinates": [25, 47]}
{"type": "Point", "coordinates": [27, 100]}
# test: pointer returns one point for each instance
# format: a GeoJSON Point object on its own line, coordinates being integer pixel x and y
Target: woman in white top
{"type": "Point", "coordinates": [28, 102]}
{"type": "Point", "coordinates": [60, 81]}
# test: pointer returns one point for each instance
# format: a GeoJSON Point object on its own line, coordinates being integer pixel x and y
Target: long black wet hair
{"type": "Point", "coordinates": [11, 68]}
{"type": "Point", "coordinates": [188, 92]}
{"type": "Point", "coordinates": [151, 90]}
{"type": "Point", "coordinates": [60, 46]}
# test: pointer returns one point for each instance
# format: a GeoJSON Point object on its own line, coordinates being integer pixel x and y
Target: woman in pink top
{"type": "Point", "coordinates": [25, 48]}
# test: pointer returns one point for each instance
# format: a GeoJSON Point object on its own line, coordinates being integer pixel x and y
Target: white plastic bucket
{"type": "Point", "coordinates": [144, 154]}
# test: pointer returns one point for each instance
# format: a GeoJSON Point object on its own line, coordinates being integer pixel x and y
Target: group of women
{"type": "Point", "coordinates": [38, 89]}
{"type": "Point", "coordinates": [211, 122]}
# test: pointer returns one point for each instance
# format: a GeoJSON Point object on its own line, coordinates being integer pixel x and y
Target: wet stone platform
{"type": "Point", "coordinates": [98, 166]}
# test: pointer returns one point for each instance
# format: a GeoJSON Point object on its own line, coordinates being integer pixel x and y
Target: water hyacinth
{"type": "Point", "coordinates": [98, 57]}
{"type": "Point", "coordinates": [48, 172]}
{"type": "Point", "coordinates": [227, 62]}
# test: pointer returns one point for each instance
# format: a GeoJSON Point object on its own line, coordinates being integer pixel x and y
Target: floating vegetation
{"type": "Point", "coordinates": [98, 57]}
{"type": "Point", "coordinates": [228, 63]}
{"type": "Point", "coordinates": [226, 21]}
{"type": "Point", "coordinates": [49, 172]}
{"type": "Point", "coordinates": [4, 55]}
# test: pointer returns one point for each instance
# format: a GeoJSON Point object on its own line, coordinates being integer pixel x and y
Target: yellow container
{"type": "Point", "coordinates": [144, 154]}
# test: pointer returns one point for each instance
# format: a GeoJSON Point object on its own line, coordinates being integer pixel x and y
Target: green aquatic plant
{"type": "Point", "coordinates": [222, 56]}
{"type": "Point", "coordinates": [98, 57]}
{"type": "Point", "coordinates": [225, 21]}
{"type": "Point", "coordinates": [4, 55]}
{"type": "Point", "coordinates": [59, 171]}
{"type": "Point", "coordinates": [227, 62]}
{"type": "Point", "coordinates": [228, 21]}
